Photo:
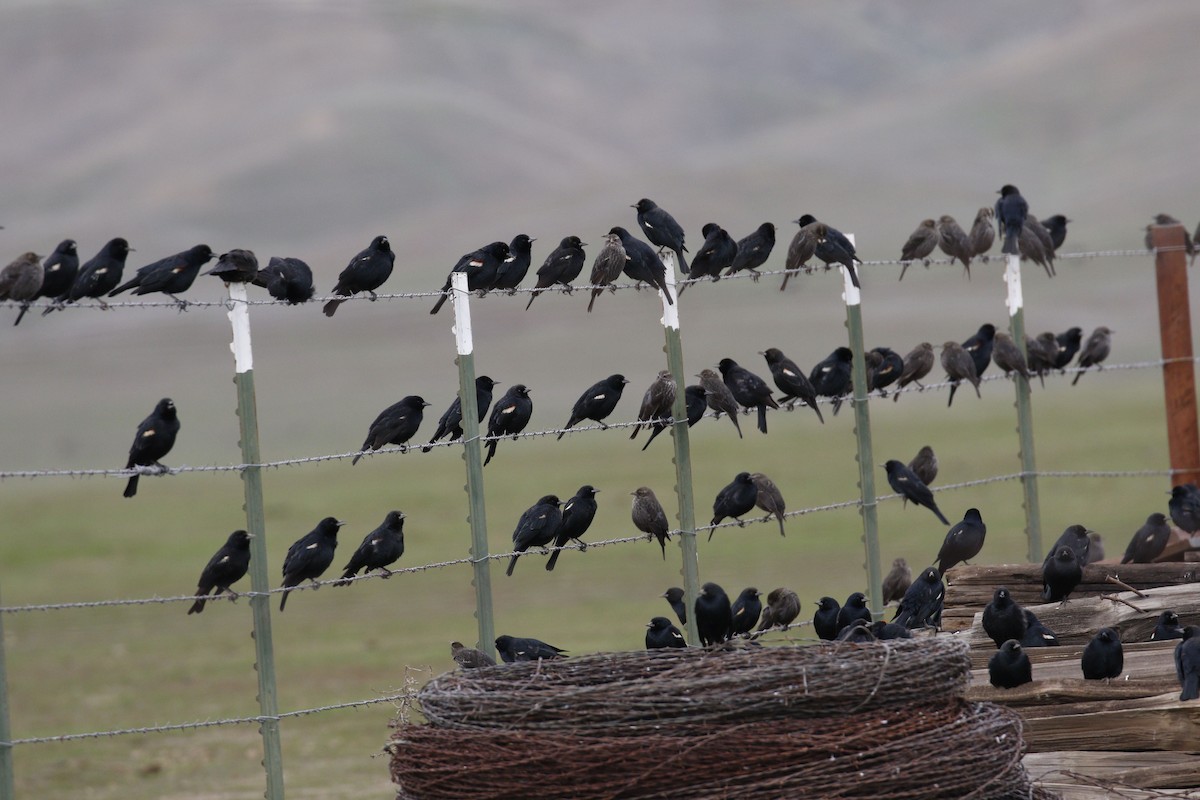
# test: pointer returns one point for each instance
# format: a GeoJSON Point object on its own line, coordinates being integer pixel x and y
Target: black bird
{"type": "Point", "coordinates": [309, 556]}
{"type": "Point", "coordinates": [833, 247]}
{"type": "Point", "coordinates": [714, 615]}
{"type": "Point", "coordinates": [451, 422]}
{"type": "Point", "coordinates": [562, 266]}
{"type": "Point", "coordinates": [791, 380]}
{"type": "Point", "coordinates": [481, 266]}
{"type": "Point", "coordinates": [769, 498]}
{"type": "Point", "coordinates": [925, 466]}
{"type": "Point", "coordinates": [979, 346]}
{"type": "Point", "coordinates": [58, 273]}
{"type": "Point", "coordinates": [954, 241]}
{"type": "Point", "coordinates": [661, 634]}
{"type": "Point", "coordinates": [98, 276]}
{"type": "Point", "coordinates": [921, 606]}
{"type": "Point", "coordinates": [649, 517]}
{"type": "Point", "coordinates": [1044, 240]}
{"type": "Point", "coordinates": [1068, 345]}
{"type": "Point", "coordinates": [717, 253]}
{"type": "Point", "coordinates": [897, 581]}
{"type": "Point", "coordinates": [1011, 209]}
{"type": "Point", "coordinates": [735, 500]}
{"type": "Point", "coordinates": [21, 280]}
{"type": "Point", "coordinates": [1008, 356]}
{"type": "Point", "coordinates": [661, 229]}
{"type": "Point", "coordinates": [1168, 627]}
{"type": "Point", "coordinates": [887, 370]}
{"type": "Point", "coordinates": [825, 619]}
{"type": "Point", "coordinates": [171, 275]}
{"type": "Point", "coordinates": [917, 364]}
{"type": "Point", "coordinates": [857, 632]}
{"type": "Point", "coordinates": [577, 516]}
{"type": "Point", "coordinates": [1187, 663]}
{"type": "Point", "coordinates": [469, 657]}
{"type": "Point", "coordinates": [607, 267]}
{"type": "Point", "coordinates": [674, 596]}
{"type": "Point", "coordinates": [855, 608]}
{"type": "Point", "coordinates": [1076, 538]}
{"type": "Point", "coordinates": [236, 266]}
{"type": "Point", "coordinates": [1103, 657]}
{"type": "Point", "coordinates": [782, 608]}
{"type": "Point", "coordinates": [1009, 666]}
{"type": "Point", "coordinates": [657, 402]}
{"type": "Point", "coordinates": [1184, 506]}
{"type": "Point", "coordinates": [1003, 619]}
{"type": "Point", "coordinates": [1037, 634]}
{"type": "Point", "coordinates": [154, 439]}
{"type": "Point", "coordinates": [959, 366]}
{"type": "Point", "coordinates": [719, 397]}
{"type": "Point", "coordinates": [1041, 354]}
{"type": "Point", "coordinates": [754, 250]}
{"type": "Point", "coordinates": [802, 248]}
{"type": "Point", "coordinates": [694, 399]}
{"type": "Point", "coordinates": [597, 403]}
{"type": "Point", "coordinates": [1094, 352]}
{"type": "Point", "coordinates": [831, 377]}
{"type": "Point", "coordinates": [1061, 573]}
{"type": "Point", "coordinates": [642, 264]}
{"type": "Point", "coordinates": [510, 415]}
{"type": "Point", "coordinates": [745, 611]}
{"type": "Point", "coordinates": [227, 566]}
{"type": "Point", "coordinates": [514, 648]}
{"type": "Point", "coordinates": [920, 244]}
{"type": "Point", "coordinates": [536, 528]}
{"type": "Point", "coordinates": [748, 389]}
{"type": "Point", "coordinates": [1057, 227]}
{"type": "Point", "coordinates": [1149, 540]}
{"type": "Point", "coordinates": [905, 483]}
{"type": "Point", "coordinates": [396, 424]}
{"type": "Point", "coordinates": [883, 630]}
{"type": "Point", "coordinates": [366, 272]}
{"type": "Point", "coordinates": [514, 268]}
{"type": "Point", "coordinates": [963, 541]}
{"type": "Point", "coordinates": [287, 279]}
{"type": "Point", "coordinates": [982, 237]}
{"type": "Point", "coordinates": [379, 549]}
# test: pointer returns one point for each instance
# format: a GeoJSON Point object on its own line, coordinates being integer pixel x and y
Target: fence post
{"type": "Point", "coordinates": [7, 782]}
{"type": "Point", "coordinates": [683, 452]}
{"type": "Point", "coordinates": [1016, 326]}
{"type": "Point", "coordinates": [862, 434]}
{"type": "Point", "coordinates": [1175, 331]}
{"type": "Point", "coordinates": [473, 456]}
{"type": "Point", "coordinates": [260, 584]}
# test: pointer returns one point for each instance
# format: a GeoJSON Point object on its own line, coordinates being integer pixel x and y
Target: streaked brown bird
{"type": "Point", "coordinates": [1030, 246]}
{"type": "Point", "coordinates": [469, 657]}
{"type": "Point", "coordinates": [982, 235]}
{"type": "Point", "coordinates": [769, 498]}
{"type": "Point", "coordinates": [607, 267]}
{"type": "Point", "coordinates": [959, 367]}
{"type": "Point", "coordinates": [656, 402]}
{"type": "Point", "coordinates": [925, 465]}
{"type": "Point", "coordinates": [897, 581]}
{"type": "Point", "coordinates": [782, 608]}
{"type": "Point", "coordinates": [650, 518]}
{"type": "Point", "coordinates": [802, 248]}
{"type": "Point", "coordinates": [719, 398]}
{"type": "Point", "coordinates": [1008, 356]}
{"type": "Point", "coordinates": [1094, 351]}
{"type": "Point", "coordinates": [1044, 239]}
{"type": "Point", "coordinates": [21, 280]}
{"type": "Point", "coordinates": [922, 242]}
{"type": "Point", "coordinates": [954, 242]}
{"type": "Point", "coordinates": [917, 364]}
{"type": "Point", "coordinates": [1189, 244]}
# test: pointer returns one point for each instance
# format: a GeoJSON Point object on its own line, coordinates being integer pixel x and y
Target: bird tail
{"type": "Point", "coordinates": [780, 518]}
{"type": "Point", "coordinates": [1191, 687]}
{"type": "Point", "coordinates": [904, 269]}
{"type": "Point", "coordinates": [1010, 240]}
{"type": "Point", "coordinates": [733, 418]}
{"type": "Point", "coordinates": [653, 434]}
{"type": "Point", "coordinates": [786, 277]}
{"type": "Point", "coordinates": [283, 600]}
{"type": "Point", "coordinates": [592, 302]}
{"type": "Point", "coordinates": [667, 294]}
{"type": "Point", "coordinates": [511, 565]}
{"type": "Point", "coordinates": [553, 559]}
{"type": "Point", "coordinates": [24, 308]}
{"type": "Point", "coordinates": [330, 308]}
{"type": "Point", "coordinates": [683, 265]}
{"type": "Point", "coordinates": [123, 287]}
{"type": "Point", "coordinates": [491, 451]}
{"type": "Point", "coordinates": [438, 305]}
{"type": "Point", "coordinates": [197, 606]}
{"type": "Point", "coordinates": [853, 275]}
{"type": "Point", "coordinates": [762, 418]}
{"type": "Point", "coordinates": [532, 297]}
{"type": "Point", "coordinates": [813, 404]}
{"type": "Point", "coordinates": [131, 487]}
{"type": "Point", "coordinates": [953, 389]}
{"type": "Point", "coordinates": [1078, 375]}
{"type": "Point", "coordinates": [933, 507]}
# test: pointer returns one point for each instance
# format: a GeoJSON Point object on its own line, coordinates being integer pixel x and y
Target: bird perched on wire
{"type": "Point", "coordinates": [607, 267]}
{"type": "Point", "coordinates": [287, 279]}
{"type": "Point", "coordinates": [1148, 542]}
{"type": "Point", "coordinates": [577, 516]}
{"type": "Point", "coordinates": [649, 517]}
{"type": "Point", "coordinates": [1061, 573]}
{"type": "Point", "coordinates": [831, 377]}
{"type": "Point", "coordinates": [450, 423]}
{"type": "Point", "coordinates": [309, 556]}
{"type": "Point", "coordinates": [1167, 627]}
{"type": "Point", "coordinates": [745, 611]}
{"type": "Point", "coordinates": [735, 500]}
{"type": "Point", "coordinates": [791, 380]}
{"type": "Point", "coordinates": [227, 566]}
{"type": "Point", "coordinates": [481, 267]}
{"type": "Point", "coordinates": [802, 248]}
{"type": "Point", "coordinates": [1103, 657]}
{"type": "Point", "coordinates": [1056, 226]}
{"type": "Point", "coordinates": [959, 366]}
{"type": "Point", "coordinates": [825, 618]}
{"type": "Point", "coordinates": [657, 402]}
{"type": "Point", "coordinates": [562, 266]}
{"type": "Point", "coordinates": [963, 541]}
{"type": "Point", "coordinates": [1187, 663]}
{"type": "Point", "coordinates": [1041, 353]}
{"type": "Point", "coordinates": [979, 346]}
{"type": "Point", "coordinates": [1009, 666]}
{"type": "Point", "coordinates": [714, 614]}
{"type": "Point", "coordinates": [719, 397]}
{"type": "Point", "coordinates": [982, 236]}
{"type": "Point", "coordinates": [154, 439]}
{"type": "Point", "coordinates": [1044, 239]}
{"type": "Point", "coordinates": [1008, 356]}
{"type": "Point", "coordinates": [717, 253]}
{"type": "Point", "coordinates": [379, 549]}
{"type": "Point", "coordinates": [1036, 633]}
{"type": "Point", "coordinates": [171, 275]}
{"type": "Point", "coordinates": [884, 367]}
{"type": "Point", "coordinates": [1184, 507]}
{"type": "Point", "coordinates": [906, 483]}
{"type": "Point", "coordinates": [536, 528]}
{"type": "Point", "coordinates": [661, 229]}
{"type": "Point", "coordinates": [469, 657]}
{"type": "Point", "coordinates": [366, 272]}
{"type": "Point", "coordinates": [769, 498]}
{"type": "Point", "coordinates": [694, 402]}
{"type": "Point", "coordinates": [98, 276]}
{"type": "Point", "coordinates": [748, 389]}
{"type": "Point", "coordinates": [642, 264]}
{"type": "Point", "coordinates": [661, 634]}
{"type": "Point", "coordinates": [754, 250]}
{"type": "Point", "coordinates": [925, 466]}
{"type": "Point", "coordinates": [1032, 247]}
{"type": "Point", "coordinates": [855, 608]}
{"type": "Point", "coordinates": [1067, 343]}
{"type": "Point", "coordinates": [514, 268]}
{"type": "Point", "coordinates": [917, 364]}
{"type": "Point", "coordinates": [396, 424]}
{"type": "Point", "coordinates": [674, 597]}
{"type": "Point", "coordinates": [1094, 352]}
{"type": "Point", "coordinates": [515, 648]}
{"type": "Point", "coordinates": [954, 241]}
{"type": "Point", "coordinates": [58, 273]}
{"type": "Point", "coordinates": [1003, 619]}
{"type": "Point", "coordinates": [509, 417]}
{"type": "Point", "coordinates": [920, 244]}
{"type": "Point", "coordinates": [597, 402]}
{"type": "Point", "coordinates": [236, 266]}
{"type": "Point", "coordinates": [21, 280]}
{"type": "Point", "coordinates": [897, 581]}
{"type": "Point", "coordinates": [1011, 209]}
{"type": "Point", "coordinates": [833, 246]}
{"type": "Point", "coordinates": [781, 610]}
{"type": "Point", "coordinates": [921, 606]}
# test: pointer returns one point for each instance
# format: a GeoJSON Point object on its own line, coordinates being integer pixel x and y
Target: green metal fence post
{"type": "Point", "coordinates": [683, 452]}
{"type": "Point", "coordinates": [473, 456]}
{"type": "Point", "coordinates": [260, 603]}
{"type": "Point", "coordinates": [7, 781]}
{"type": "Point", "coordinates": [1016, 325]}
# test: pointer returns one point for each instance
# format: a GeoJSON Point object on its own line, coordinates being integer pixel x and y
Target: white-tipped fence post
{"type": "Point", "coordinates": [1016, 326]}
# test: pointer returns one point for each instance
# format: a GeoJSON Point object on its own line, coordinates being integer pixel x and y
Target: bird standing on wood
{"type": "Point", "coordinates": [469, 657]}
{"type": "Point", "coordinates": [1009, 666]}
{"type": "Point", "coordinates": [1003, 619]}
{"type": "Point", "coordinates": [1104, 657]}
{"type": "Point", "coordinates": [516, 648]}
{"type": "Point", "coordinates": [921, 606]}
{"type": "Point", "coordinates": [1148, 542]}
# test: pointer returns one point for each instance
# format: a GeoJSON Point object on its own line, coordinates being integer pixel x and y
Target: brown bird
{"type": "Point", "coordinates": [802, 248]}
{"type": "Point", "coordinates": [1040, 354]}
{"type": "Point", "coordinates": [1044, 239]}
{"type": "Point", "coordinates": [954, 242]}
{"type": "Point", "coordinates": [897, 581]}
{"type": "Point", "coordinates": [959, 367]}
{"type": "Point", "coordinates": [1030, 246]}
{"type": "Point", "coordinates": [719, 397]}
{"type": "Point", "coordinates": [917, 364]}
{"type": "Point", "coordinates": [1008, 356]}
{"type": "Point", "coordinates": [1189, 244]}
{"type": "Point", "coordinates": [21, 280]}
{"type": "Point", "coordinates": [925, 465]}
{"type": "Point", "coordinates": [1094, 352]}
{"type": "Point", "coordinates": [607, 267]}
{"type": "Point", "coordinates": [770, 499]}
{"type": "Point", "coordinates": [650, 518]}
{"type": "Point", "coordinates": [982, 235]}
{"type": "Point", "coordinates": [469, 657]}
{"type": "Point", "coordinates": [782, 608]}
{"type": "Point", "coordinates": [920, 244]}
{"type": "Point", "coordinates": [656, 402]}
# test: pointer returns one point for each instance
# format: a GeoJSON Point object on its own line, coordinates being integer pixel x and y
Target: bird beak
{"type": "Point", "coordinates": [341, 522]}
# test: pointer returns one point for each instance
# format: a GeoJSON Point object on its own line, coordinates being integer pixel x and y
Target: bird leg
{"type": "Point", "coordinates": [161, 469]}
{"type": "Point", "coordinates": [387, 573]}
{"type": "Point", "coordinates": [233, 596]}
{"type": "Point", "coordinates": [755, 275]}
{"type": "Point", "coordinates": [582, 545]}
{"type": "Point", "coordinates": [183, 304]}
{"type": "Point", "coordinates": [373, 295]}
{"type": "Point", "coordinates": [315, 584]}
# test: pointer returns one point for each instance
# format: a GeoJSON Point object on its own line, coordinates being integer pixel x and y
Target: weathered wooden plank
{"type": "Point", "coordinates": [973, 585]}
{"type": "Point", "coordinates": [1176, 770]}
{"type": "Point", "coordinates": [1151, 723]}
{"type": "Point", "coordinates": [1143, 660]}
{"type": "Point", "coordinates": [1065, 696]}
